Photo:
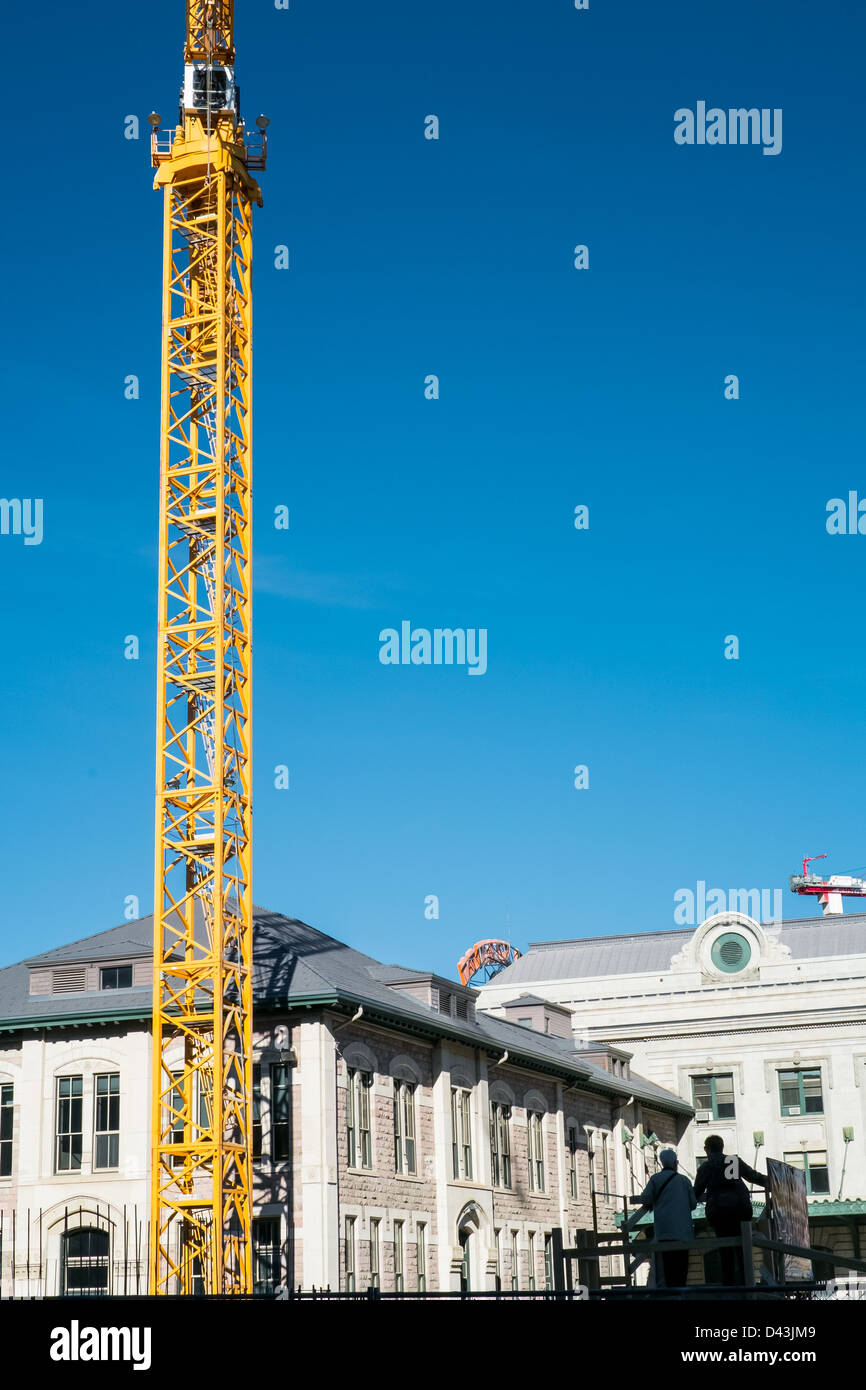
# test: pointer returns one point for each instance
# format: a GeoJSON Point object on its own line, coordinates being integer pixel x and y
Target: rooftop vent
{"type": "Point", "coordinates": [69, 979]}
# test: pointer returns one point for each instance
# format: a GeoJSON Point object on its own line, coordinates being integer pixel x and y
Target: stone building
{"type": "Point", "coordinates": [759, 1027]}
{"type": "Point", "coordinates": [402, 1137]}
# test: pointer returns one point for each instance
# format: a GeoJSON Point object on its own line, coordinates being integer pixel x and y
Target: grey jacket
{"type": "Point", "coordinates": [671, 1201]}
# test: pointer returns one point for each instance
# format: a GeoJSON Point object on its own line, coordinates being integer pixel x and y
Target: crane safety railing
{"type": "Point", "coordinates": [255, 146]}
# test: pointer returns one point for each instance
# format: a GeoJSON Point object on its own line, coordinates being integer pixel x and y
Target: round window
{"type": "Point", "coordinates": [731, 952]}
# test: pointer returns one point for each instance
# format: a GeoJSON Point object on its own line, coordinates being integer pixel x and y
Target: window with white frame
{"type": "Point", "coordinates": [69, 1128]}
{"type": "Point", "coordinates": [267, 1272]}
{"type": "Point", "coordinates": [713, 1097]}
{"type": "Point", "coordinates": [205, 1097]}
{"type": "Point", "coordinates": [812, 1163]}
{"type": "Point", "coordinates": [571, 1146]}
{"type": "Point", "coordinates": [531, 1243]}
{"type": "Point", "coordinates": [800, 1092]}
{"type": "Point", "coordinates": [85, 1260]}
{"type": "Point", "coordinates": [358, 1134]}
{"type": "Point", "coordinates": [515, 1266]}
{"type": "Point", "coordinates": [175, 1116]}
{"type": "Point", "coordinates": [115, 977]}
{"type": "Point", "coordinates": [421, 1255]}
{"type": "Point", "coordinates": [461, 1132]}
{"type": "Point", "coordinates": [351, 1261]}
{"type": "Point", "coordinates": [548, 1260]}
{"type": "Point", "coordinates": [106, 1129]}
{"type": "Point", "coordinates": [404, 1126]}
{"type": "Point", "coordinates": [375, 1262]}
{"type": "Point", "coordinates": [7, 1096]}
{"type": "Point", "coordinates": [500, 1144]}
{"type": "Point", "coordinates": [535, 1149]}
{"type": "Point", "coordinates": [606, 1184]}
{"type": "Point", "coordinates": [256, 1136]}
{"type": "Point", "coordinates": [398, 1256]}
{"type": "Point", "coordinates": [281, 1103]}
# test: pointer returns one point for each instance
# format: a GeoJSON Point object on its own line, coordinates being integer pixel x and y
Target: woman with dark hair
{"type": "Point", "coordinates": [720, 1183]}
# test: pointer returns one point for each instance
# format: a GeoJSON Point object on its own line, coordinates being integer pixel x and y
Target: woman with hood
{"type": "Point", "coordinates": [671, 1198]}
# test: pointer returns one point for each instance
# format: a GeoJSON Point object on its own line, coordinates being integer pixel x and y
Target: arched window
{"type": "Point", "coordinates": [469, 1223]}
{"type": "Point", "coordinates": [85, 1254]}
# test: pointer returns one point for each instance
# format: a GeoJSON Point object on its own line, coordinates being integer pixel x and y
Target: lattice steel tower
{"type": "Point", "coordinates": [202, 999]}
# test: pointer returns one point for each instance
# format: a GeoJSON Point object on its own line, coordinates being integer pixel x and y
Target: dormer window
{"type": "Point", "coordinates": [115, 977]}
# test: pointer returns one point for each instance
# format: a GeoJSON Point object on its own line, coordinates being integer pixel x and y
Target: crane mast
{"type": "Point", "coordinates": [200, 1214]}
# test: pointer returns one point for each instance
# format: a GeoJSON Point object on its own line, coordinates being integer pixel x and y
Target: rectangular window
{"type": "Point", "coordinates": [205, 1097]}
{"type": "Point", "coordinates": [713, 1097]}
{"type": "Point", "coordinates": [500, 1145]}
{"type": "Point", "coordinates": [267, 1266]}
{"type": "Point", "coordinates": [115, 977]}
{"type": "Point", "coordinates": [571, 1147]}
{"type": "Point", "coordinates": [535, 1150]}
{"type": "Point", "coordinates": [175, 1114]}
{"type": "Point", "coordinates": [6, 1113]}
{"type": "Point", "coordinates": [548, 1262]}
{"type": "Point", "coordinates": [515, 1267]}
{"type": "Point", "coordinates": [466, 1128]}
{"type": "Point", "coordinates": [358, 1135]}
{"type": "Point", "coordinates": [421, 1255]}
{"type": "Point", "coordinates": [375, 1264]}
{"type": "Point", "coordinates": [404, 1127]}
{"type": "Point", "coordinates": [814, 1165]}
{"type": "Point", "coordinates": [107, 1121]}
{"type": "Point", "coordinates": [257, 1111]}
{"type": "Point", "coordinates": [461, 1132]}
{"type": "Point", "coordinates": [532, 1260]}
{"type": "Point", "coordinates": [800, 1092]}
{"type": "Point", "coordinates": [608, 1157]}
{"type": "Point", "coordinates": [69, 1134]}
{"type": "Point", "coordinates": [281, 1100]}
{"type": "Point", "coordinates": [350, 1254]}
{"type": "Point", "coordinates": [398, 1256]}
{"type": "Point", "coordinates": [497, 1240]}
{"type": "Point", "coordinates": [455, 1136]}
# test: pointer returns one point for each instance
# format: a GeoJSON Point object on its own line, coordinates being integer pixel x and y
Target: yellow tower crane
{"type": "Point", "coordinates": [200, 1214]}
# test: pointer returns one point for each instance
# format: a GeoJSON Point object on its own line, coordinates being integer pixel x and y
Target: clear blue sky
{"type": "Point", "coordinates": [558, 387]}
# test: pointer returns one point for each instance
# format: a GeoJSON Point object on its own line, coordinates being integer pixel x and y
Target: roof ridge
{"type": "Point", "coordinates": [80, 940]}
{"type": "Point", "coordinates": [616, 936]}
{"type": "Point", "coordinates": [789, 923]}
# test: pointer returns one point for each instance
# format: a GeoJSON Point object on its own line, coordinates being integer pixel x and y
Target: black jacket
{"type": "Point", "coordinates": [718, 1190]}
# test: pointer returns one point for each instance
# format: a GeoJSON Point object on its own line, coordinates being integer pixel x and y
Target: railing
{"type": "Point", "coordinates": [594, 1247]}
{"type": "Point", "coordinates": [255, 146]}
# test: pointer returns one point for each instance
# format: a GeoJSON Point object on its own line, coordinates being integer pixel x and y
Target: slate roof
{"type": "Point", "coordinates": [528, 1000]}
{"type": "Point", "coordinates": [644, 952]}
{"type": "Point", "coordinates": [294, 964]}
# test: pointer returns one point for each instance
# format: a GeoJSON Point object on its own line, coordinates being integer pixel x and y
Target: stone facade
{"type": "Point", "coordinates": [467, 1227]}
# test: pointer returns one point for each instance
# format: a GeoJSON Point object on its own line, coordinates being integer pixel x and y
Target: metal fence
{"type": "Point", "coordinates": [88, 1253]}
